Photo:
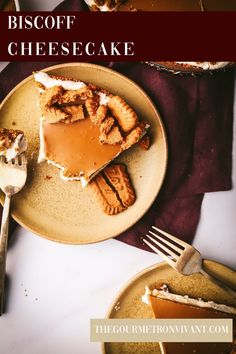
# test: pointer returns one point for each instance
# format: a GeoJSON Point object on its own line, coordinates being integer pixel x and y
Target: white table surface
{"type": "Point", "coordinates": [55, 289]}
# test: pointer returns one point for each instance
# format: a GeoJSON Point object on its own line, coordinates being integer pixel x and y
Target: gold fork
{"type": "Point", "coordinates": [13, 175]}
{"type": "Point", "coordinates": [180, 255]}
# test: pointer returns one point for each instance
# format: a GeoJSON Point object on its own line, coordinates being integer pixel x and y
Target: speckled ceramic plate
{"type": "Point", "coordinates": [128, 304]}
{"type": "Point", "coordinates": [63, 211]}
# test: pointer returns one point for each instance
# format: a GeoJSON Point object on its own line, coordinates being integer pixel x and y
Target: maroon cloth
{"type": "Point", "coordinates": [198, 116]}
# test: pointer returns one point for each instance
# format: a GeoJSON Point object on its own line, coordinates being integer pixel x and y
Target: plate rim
{"type": "Point", "coordinates": [161, 125]}
{"type": "Point", "coordinates": [131, 280]}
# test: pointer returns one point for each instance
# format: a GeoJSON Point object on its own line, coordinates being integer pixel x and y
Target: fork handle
{"type": "Point", "coordinates": [218, 283]}
{"type": "Point", "coordinates": [3, 247]}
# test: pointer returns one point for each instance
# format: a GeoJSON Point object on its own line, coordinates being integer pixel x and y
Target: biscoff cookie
{"type": "Point", "coordinates": [125, 115]}
{"type": "Point", "coordinates": [113, 137]}
{"type": "Point", "coordinates": [53, 114]}
{"type": "Point", "coordinates": [85, 92]}
{"type": "Point", "coordinates": [50, 96]}
{"type": "Point", "coordinates": [135, 135]}
{"type": "Point", "coordinates": [120, 181]}
{"type": "Point", "coordinates": [107, 197]}
{"type": "Point", "coordinates": [101, 113]}
{"type": "Point", "coordinates": [92, 105]}
{"type": "Point", "coordinates": [76, 112]}
{"type": "Point", "coordinates": [106, 125]}
{"type": "Point", "coordinates": [69, 97]}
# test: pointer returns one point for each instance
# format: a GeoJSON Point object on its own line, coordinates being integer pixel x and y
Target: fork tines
{"type": "Point", "coordinates": [19, 160]}
{"type": "Point", "coordinates": [164, 244]}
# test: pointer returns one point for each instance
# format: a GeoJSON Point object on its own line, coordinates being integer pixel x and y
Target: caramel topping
{"type": "Point", "coordinates": [76, 147]}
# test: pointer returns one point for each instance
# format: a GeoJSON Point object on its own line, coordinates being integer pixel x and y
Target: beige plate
{"type": "Point", "coordinates": [61, 211]}
{"type": "Point", "coordinates": [128, 302]}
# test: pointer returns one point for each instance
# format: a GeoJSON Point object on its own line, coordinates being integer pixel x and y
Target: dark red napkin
{"type": "Point", "coordinates": [198, 116]}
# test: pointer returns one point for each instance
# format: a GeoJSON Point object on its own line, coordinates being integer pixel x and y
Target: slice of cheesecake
{"type": "Point", "coordinates": [83, 127]}
{"type": "Point", "coordinates": [12, 143]}
{"type": "Point", "coordinates": [168, 305]}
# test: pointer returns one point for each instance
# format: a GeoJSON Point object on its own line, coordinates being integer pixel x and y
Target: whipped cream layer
{"type": "Point", "coordinates": [166, 295]}
{"type": "Point", "coordinates": [18, 146]}
{"type": "Point", "coordinates": [48, 81]}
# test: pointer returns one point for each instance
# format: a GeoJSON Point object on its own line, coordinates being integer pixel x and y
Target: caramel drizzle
{"type": "Point", "coordinates": [201, 5]}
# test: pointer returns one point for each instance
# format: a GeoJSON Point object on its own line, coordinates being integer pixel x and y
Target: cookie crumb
{"type": "Point", "coordinates": [144, 143]}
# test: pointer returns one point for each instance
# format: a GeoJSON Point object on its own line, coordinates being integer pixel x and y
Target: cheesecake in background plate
{"type": "Point", "coordinates": [161, 5]}
{"type": "Point", "coordinates": [168, 305]}
{"type": "Point", "coordinates": [192, 66]}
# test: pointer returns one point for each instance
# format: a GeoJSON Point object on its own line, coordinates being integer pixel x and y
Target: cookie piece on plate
{"type": "Point", "coordinates": [125, 115]}
{"type": "Point", "coordinates": [120, 181]}
{"type": "Point", "coordinates": [12, 143]}
{"type": "Point", "coordinates": [107, 197]}
{"type": "Point", "coordinates": [192, 66]}
{"type": "Point", "coordinates": [114, 189]}
{"type": "Point", "coordinates": [144, 143]}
